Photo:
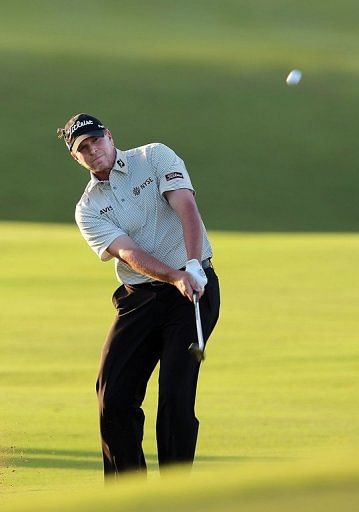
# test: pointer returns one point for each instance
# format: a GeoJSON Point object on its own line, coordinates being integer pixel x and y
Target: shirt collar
{"type": "Point", "coordinates": [119, 166]}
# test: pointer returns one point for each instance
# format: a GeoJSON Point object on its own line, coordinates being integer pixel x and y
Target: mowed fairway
{"type": "Point", "coordinates": [279, 386]}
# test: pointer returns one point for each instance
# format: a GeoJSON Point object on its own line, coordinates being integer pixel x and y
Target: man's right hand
{"type": "Point", "coordinates": [185, 283]}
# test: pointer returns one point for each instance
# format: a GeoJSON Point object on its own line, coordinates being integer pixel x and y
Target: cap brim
{"type": "Point", "coordinates": [80, 138]}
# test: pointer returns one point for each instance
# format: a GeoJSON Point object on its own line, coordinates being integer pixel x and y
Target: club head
{"type": "Point", "coordinates": [196, 352]}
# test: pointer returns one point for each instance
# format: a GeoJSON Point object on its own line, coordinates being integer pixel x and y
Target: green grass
{"type": "Point", "coordinates": [279, 386]}
{"type": "Point", "coordinates": [278, 393]}
{"type": "Point", "coordinates": [204, 77]}
{"type": "Point", "coordinates": [319, 486]}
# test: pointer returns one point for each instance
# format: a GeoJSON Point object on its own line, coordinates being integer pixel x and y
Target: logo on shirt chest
{"type": "Point", "coordinates": [106, 210]}
{"type": "Point", "coordinates": [137, 190]}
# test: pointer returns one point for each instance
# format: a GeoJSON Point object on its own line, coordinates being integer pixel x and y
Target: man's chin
{"type": "Point", "coordinates": [99, 168]}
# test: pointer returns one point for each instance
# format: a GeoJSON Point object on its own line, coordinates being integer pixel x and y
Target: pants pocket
{"type": "Point", "coordinates": [127, 300]}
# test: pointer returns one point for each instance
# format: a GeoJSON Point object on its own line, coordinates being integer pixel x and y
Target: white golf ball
{"type": "Point", "coordinates": [294, 77]}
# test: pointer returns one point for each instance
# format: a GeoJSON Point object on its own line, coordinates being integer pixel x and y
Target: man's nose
{"type": "Point", "coordinates": [92, 149]}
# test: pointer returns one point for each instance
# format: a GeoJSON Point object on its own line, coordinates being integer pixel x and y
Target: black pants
{"type": "Point", "coordinates": [154, 323]}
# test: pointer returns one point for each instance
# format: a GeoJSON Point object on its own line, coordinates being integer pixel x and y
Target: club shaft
{"type": "Point", "coordinates": [198, 322]}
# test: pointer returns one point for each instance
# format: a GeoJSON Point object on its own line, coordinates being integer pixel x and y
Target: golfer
{"type": "Point", "coordinates": [139, 208]}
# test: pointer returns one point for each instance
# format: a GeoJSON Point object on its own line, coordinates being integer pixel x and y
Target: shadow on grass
{"type": "Point", "coordinates": [236, 458]}
{"type": "Point", "coordinates": [59, 459]}
{"type": "Point", "coordinates": [92, 460]}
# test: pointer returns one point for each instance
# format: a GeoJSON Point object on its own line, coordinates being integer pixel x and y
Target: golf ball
{"type": "Point", "coordinates": [294, 77]}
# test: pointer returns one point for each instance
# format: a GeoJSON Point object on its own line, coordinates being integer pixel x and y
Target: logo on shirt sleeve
{"type": "Point", "coordinates": [173, 176]}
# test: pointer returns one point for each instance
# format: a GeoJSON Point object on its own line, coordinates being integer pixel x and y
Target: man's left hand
{"type": "Point", "coordinates": [194, 268]}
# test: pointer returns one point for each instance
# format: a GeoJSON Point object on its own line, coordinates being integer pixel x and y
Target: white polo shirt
{"type": "Point", "coordinates": [132, 203]}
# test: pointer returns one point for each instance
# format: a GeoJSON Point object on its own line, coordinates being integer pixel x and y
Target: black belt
{"type": "Point", "coordinates": [205, 264]}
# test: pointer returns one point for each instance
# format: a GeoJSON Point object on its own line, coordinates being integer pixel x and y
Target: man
{"type": "Point", "coordinates": [139, 208]}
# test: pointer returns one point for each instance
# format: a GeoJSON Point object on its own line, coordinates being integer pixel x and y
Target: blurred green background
{"type": "Point", "coordinates": [206, 78]}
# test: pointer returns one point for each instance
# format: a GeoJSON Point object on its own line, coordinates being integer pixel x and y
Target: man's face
{"type": "Point", "coordinates": [97, 154]}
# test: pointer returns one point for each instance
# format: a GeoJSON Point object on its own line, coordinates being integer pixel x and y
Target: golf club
{"type": "Point", "coordinates": [197, 349]}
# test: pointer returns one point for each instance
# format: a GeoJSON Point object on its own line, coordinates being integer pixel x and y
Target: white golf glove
{"type": "Point", "coordinates": [194, 268]}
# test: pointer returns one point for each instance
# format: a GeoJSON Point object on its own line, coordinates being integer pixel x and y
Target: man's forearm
{"type": "Point", "coordinates": [182, 201]}
{"type": "Point", "coordinates": [145, 264]}
{"type": "Point", "coordinates": [192, 232]}
{"type": "Point", "coordinates": [184, 204]}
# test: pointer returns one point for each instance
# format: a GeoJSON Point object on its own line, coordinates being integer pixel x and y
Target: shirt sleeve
{"type": "Point", "coordinates": [169, 168]}
{"type": "Point", "coordinates": [98, 232]}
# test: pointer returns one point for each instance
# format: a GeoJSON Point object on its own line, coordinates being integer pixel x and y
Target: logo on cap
{"type": "Point", "coordinates": [77, 125]}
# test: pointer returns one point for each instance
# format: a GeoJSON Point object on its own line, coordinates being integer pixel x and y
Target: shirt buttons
{"type": "Point", "coordinates": [114, 188]}
{"type": "Point", "coordinates": [122, 200]}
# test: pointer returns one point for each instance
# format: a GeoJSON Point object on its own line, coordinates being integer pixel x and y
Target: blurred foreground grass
{"type": "Point", "coordinates": [328, 484]}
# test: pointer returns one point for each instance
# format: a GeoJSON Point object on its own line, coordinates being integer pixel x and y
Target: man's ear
{"type": "Point", "coordinates": [109, 134]}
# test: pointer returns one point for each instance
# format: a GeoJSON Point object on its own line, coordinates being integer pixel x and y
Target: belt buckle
{"type": "Point", "coordinates": [157, 283]}
{"type": "Point", "coordinates": [207, 263]}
